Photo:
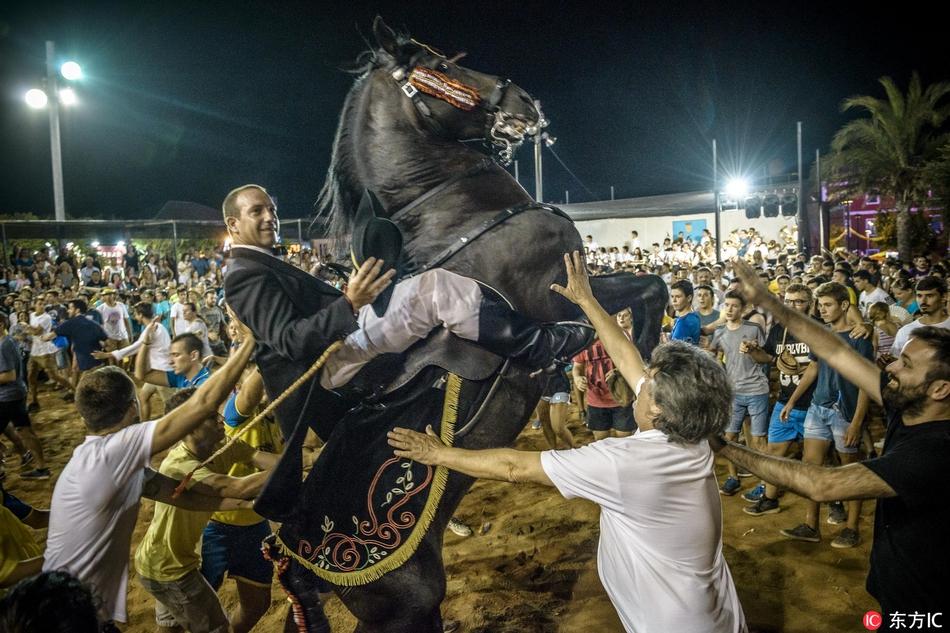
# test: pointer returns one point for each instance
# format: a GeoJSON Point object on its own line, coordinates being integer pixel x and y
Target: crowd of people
{"type": "Point", "coordinates": [779, 353]}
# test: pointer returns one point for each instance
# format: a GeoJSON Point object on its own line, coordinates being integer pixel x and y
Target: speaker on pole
{"type": "Point", "coordinates": [789, 204]}
{"type": "Point", "coordinates": [753, 207]}
{"type": "Point", "coordinates": [770, 206]}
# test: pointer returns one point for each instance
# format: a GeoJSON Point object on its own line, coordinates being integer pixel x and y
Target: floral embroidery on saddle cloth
{"type": "Point", "coordinates": [441, 86]}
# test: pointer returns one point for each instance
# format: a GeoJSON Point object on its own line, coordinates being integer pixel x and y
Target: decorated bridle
{"type": "Point", "coordinates": [500, 131]}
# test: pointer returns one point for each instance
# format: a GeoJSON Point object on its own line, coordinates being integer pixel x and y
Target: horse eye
{"type": "Point", "coordinates": [443, 67]}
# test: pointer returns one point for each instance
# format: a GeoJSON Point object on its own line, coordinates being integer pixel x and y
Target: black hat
{"type": "Point", "coordinates": [378, 237]}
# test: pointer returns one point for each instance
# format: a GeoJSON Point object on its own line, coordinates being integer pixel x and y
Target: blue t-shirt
{"type": "Point", "coordinates": [86, 336]}
{"type": "Point", "coordinates": [833, 389]}
{"type": "Point", "coordinates": [687, 328]}
{"type": "Point", "coordinates": [183, 382]}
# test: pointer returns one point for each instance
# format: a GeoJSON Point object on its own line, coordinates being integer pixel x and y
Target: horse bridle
{"type": "Point", "coordinates": [500, 132]}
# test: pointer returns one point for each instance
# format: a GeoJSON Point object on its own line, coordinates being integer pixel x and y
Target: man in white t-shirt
{"type": "Point", "coordinates": [660, 553]}
{"type": "Point", "coordinates": [96, 499]}
{"type": "Point", "coordinates": [42, 353]}
{"type": "Point", "coordinates": [191, 323]}
{"type": "Point", "coordinates": [115, 320]}
{"type": "Point", "coordinates": [864, 283]}
{"type": "Point", "coordinates": [932, 304]}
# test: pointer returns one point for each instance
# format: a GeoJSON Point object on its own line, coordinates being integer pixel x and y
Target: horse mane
{"type": "Point", "coordinates": [340, 195]}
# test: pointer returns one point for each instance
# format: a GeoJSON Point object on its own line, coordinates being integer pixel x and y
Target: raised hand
{"type": "Point", "coordinates": [578, 285]}
{"type": "Point", "coordinates": [366, 283]}
{"type": "Point", "coordinates": [751, 286]}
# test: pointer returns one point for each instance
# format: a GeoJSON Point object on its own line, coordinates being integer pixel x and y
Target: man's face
{"type": "Point", "coordinates": [732, 309]}
{"type": "Point", "coordinates": [921, 263]}
{"type": "Point", "coordinates": [679, 299]}
{"type": "Point", "coordinates": [799, 301]}
{"type": "Point", "coordinates": [96, 275]}
{"type": "Point", "coordinates": [860, 284]}
{"type": "Point", "coordinates": [929, 301]}
{"type": "Point", "coordinates": [188, 313]}
{"type": "Point", "coordinates": [908, 389]}
{"type": "Point", "coordinates": [625, 319]}
{"type": "Point", "coordinates": [209, 300]}
{"type": "Point", "coordinates": [705, 298]}
{"type": "Point", "coordinates": [703, 277]}
{"type": "Point", "coordinates": [110, 299]}
{"type": "Point", "coordinates": [181, 359]}
{"type": "Point", "coordinates": [72, 311]}
{"type": "Point", "coordinates": [782, 283]}
{"type": "Point", "coordinates": [830, 309]}
{"type": "Point", "coordinates": [257, 223]}
{"type": "Point", "coordinates": [208, 434]}
{"type": "Point", "coordinates": [39, 305]}
{"type": "Point", "coordinates": [839, 277]}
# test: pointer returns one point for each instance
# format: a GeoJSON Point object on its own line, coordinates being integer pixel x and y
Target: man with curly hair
{"type": "Point", "coordinates": [660, 552]}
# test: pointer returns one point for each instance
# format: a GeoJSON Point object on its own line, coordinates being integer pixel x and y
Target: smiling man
{"type": "Point", "coordinates": [909, 570]}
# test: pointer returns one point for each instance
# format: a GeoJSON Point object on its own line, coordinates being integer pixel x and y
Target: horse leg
{"type": "Point", "coordinates": [302, 587]}
{"type": "Point", "coordinates": [645, 295]}
{"type": "Point", "coordinates": [406, 600]}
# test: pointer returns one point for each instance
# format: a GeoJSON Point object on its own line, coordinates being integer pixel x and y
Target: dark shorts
{"type": "Point", "coordinates": [619, 418]}
{"type": "Point", "coordinates": [14, 411]}
{"type": "Point", "coordinates": [235, 550]}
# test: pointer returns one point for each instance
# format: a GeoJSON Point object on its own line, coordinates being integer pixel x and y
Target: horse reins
{"type": "Point", "coordinates": [307, 375]}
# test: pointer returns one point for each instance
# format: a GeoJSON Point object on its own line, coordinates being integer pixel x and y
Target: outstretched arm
{"type": "Point", "coordinates": [501, 464]}
{"type": "Point", "coordinates": [625, 355]}
{"type": "Point", "coordinates": [822, 341]}
{"type": "Point", "coordinates": [818, 483]}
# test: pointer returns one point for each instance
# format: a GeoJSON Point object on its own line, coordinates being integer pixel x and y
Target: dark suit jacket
{"type": "Point", "coordinates": [294, 317]}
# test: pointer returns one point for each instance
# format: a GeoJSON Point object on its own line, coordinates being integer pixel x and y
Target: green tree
{"type": "Point", "coordinates": [890, 149]}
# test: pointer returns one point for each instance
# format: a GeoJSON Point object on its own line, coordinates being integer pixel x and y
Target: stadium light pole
{"type": "Point", "coordinates": [52, 98]}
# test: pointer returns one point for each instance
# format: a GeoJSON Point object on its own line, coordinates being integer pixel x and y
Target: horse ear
{"type": "Point", "coordinates": [386, 38]}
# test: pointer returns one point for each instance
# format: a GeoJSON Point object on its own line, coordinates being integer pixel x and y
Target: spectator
{"type": "Point", "coordinates": [97, 496]}
{"type": "Point", "coordinates": [870, 292]}
{"type": "Point", "coordinates": [686, 326]}
{"type": "Point", "coordinates": [84, 335]}
{"type": "Point", "coordinates": [931, 300]}
{"type": "Point", "coordinates": [185, 356]}
{"type": "Point", "coordinates": [115, 320]}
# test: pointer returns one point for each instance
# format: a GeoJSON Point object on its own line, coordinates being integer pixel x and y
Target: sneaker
{"type": "Point", "coordinates": [755, 494]}
{"type": "Point", "coordinates": [803, 533]}
{"type": "Point", "coordinates": [459, 528]}
{"type": "Point", "coordinates": [730, 486]}
{"type": "Point", "coordinates": [763, 506]}
{"type": "Point", "coordinates": [837, 513]}
{"type": "Point", "coordinates": [36, 473]}
{"type": "Point", "coordinates": [745, 473]}
{"type": "Point", "coordinates": [26, 459]}
{"type": "Point", "coordinates": [848, 538]}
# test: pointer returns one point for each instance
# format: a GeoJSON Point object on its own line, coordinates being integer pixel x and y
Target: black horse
{"type": "Point", "coordinates": [413, 130]}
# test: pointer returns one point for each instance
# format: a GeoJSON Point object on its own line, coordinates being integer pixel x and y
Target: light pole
{"type": "Point", "coordinates": [53, 98]}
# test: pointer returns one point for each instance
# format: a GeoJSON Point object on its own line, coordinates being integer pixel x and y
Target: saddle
{"type": "Point", "coordinates": [388, 372]}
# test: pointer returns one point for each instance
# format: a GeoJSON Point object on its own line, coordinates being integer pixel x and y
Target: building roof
{"type": "Point", "coordinates": [646, 207]}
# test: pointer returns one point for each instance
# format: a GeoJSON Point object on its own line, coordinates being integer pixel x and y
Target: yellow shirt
{"type": "Point", "coordinates": [16, 544]}
{"type": "Point", "coordinates": [265, 436]}
{"type": "Point", "coordinates": [171, 546]}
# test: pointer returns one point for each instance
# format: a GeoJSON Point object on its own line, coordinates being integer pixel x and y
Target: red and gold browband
{"type": "Point", "coordinates": [443, 87]}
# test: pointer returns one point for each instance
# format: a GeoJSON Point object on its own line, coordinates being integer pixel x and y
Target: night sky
{"type": "Point", "coordinates": [184, 101]}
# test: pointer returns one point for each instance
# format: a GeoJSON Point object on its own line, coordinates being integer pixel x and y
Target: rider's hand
{"type": "Point", "coordinates": [578, 285]}
{"type": "Point", "coordinates": [416, 446]}
{"type": "Point", "coordinates": [581, 384]}
{"type": "Point", "coordinates": [367, 282]}
{"type": "Point", "coordinates": [242, 332]}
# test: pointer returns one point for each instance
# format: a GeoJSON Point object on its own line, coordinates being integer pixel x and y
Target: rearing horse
{"type": "Point", "coordinates": [404, 135]}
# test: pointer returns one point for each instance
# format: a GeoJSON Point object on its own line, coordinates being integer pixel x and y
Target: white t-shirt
{"type": "Point", "coordinates": [199, 329]}
{"type": "Point", "coordinates": [39, 347]}
{"type": "Point", "coordinates": [176, 315]}
{"type": "Point", "coordinates": [113, 320]}
{"type": "Point", "coordinates": [93, 511]}
{"type": "Point", "coordinates": [867, 298]}
{"type": "Point", "coordinates": [159, 351]}
{"type": "Point", "coordinates": [660, 552]}
{"type": "Point", "coordinates": [903, 334]}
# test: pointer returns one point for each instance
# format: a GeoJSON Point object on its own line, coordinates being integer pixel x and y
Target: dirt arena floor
{"type": "Point", "coordinates": [534, 567]}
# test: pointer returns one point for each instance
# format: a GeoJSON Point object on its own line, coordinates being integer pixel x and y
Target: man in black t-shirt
{"type": "Point", "coordinates": [787, 422]}
{"type": "Point", "coordinates": [910, 558]}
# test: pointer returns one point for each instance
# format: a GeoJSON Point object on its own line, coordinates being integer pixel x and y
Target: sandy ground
{"type": "Point", "coordinates": [534, 569]}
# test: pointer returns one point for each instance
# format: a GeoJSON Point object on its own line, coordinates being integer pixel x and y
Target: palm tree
{"type": "Point", "coordinates": [889, 151]}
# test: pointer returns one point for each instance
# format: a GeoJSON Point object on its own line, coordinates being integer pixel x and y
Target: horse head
{"type": "Point", "coordinates": [455, 103]}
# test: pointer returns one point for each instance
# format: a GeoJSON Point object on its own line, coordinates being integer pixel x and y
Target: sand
{"type": "Point", "coordinates": [534, 568]}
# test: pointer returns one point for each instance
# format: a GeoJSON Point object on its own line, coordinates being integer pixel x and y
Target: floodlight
{"type": "Point", "coordinates": [737, 188]}
{"type": "Point", "coordinates": [67, 96]}
{"type": "Point", "coordinates": [71, 71]}
{"type": "Point", "coordinates": [36, 98]}
{"type": "Point", "coordinates": [95, 244]}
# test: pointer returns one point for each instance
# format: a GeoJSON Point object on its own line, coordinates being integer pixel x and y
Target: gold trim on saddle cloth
{"type": "Point", "coordinates": [385, 562]}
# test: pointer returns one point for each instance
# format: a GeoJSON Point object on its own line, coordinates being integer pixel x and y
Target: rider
{"type": "Point", "coordinates": [296, 316]}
